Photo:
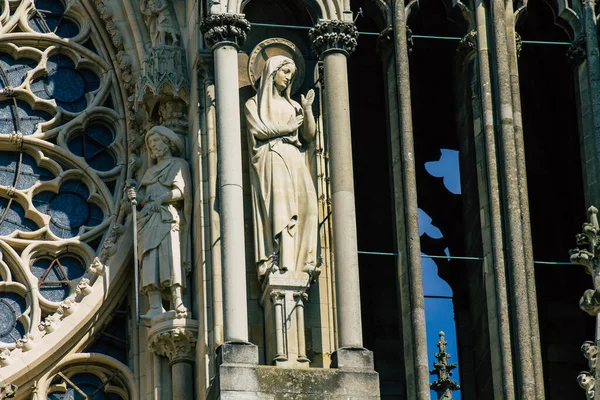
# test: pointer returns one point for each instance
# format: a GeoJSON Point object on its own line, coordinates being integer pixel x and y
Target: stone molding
{"type": "Point", "coordinates": [334, 35]}
{"type": "Point", "coordinates": [174, 339]}
{"type": "Point", "coordinates": [225, 28]}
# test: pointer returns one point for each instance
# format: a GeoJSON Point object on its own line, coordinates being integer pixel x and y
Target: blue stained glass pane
{"type": "Point", "coordinates": [16, 301]}
{"type": "Point", "coordinates": [49, 18]}
{"type": "Point", "coordinates": [29, 171]}
{"type": "Point", "coordinates": [51, 6]}
{"type": "Point", "coordinates": [92, 82]}
{"type": "Point", "coordinates": [12, 306]}
{"type": "Point", "coordinates": [92, 144]}
{"type": "Point", "coordinates": [69, 210]}
{"type": "Point", "coordinates": [14, 70]}
{"type": "Point", "coordinates": [67, 29]}
{"type": "Point", "coordinates": [64, 84]}
{"type": "Point", "coordinates": [96, 215]}
{"type": "Point", "coordinates": [55, 292]}
{"type": "Point", "coordinates": [75, 187]}
{"type": "Point", "coordinates": [41, 200]}
{"type": "Point", "coordinates": [28, 118]}
{"type": "Point", "coordinates": [54, 276]}
{"type": "Point", "coordinates": [72, 266]}
{"type": "Point", "coordinates": [14, 218]}
{"type": "Point", "coordinates": [100, 134]}
{"type": "Point", "coordinates": [40, 266]}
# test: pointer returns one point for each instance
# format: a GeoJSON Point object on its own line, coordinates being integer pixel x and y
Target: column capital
{"type": "Point", "coordinates": [225, 28]}
{"type": "Point", "coordinates": [174, 339]}
{"type": "Point", "coordinates": [334, 35]}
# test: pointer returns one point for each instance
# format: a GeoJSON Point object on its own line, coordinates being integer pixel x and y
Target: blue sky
{"type": "Point", "coordinates": [439, 312]}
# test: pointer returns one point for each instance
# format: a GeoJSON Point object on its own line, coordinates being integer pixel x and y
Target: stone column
{"type": "Point", "coordinates": [176, 340]}
{"type": "Point", "coordinates": [224, 34]}
{"type": "Point", "coordinates": [334, 41]}
{"type": "Point", "coordinates": [516, 241]}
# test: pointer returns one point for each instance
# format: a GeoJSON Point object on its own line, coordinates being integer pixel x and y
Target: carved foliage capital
{"type": "Point", "coordinates": [231, 28]}
{"type": "Point", "coordinates": [178, 344]}
{"type": "Point", "coordinates": [334, 35]}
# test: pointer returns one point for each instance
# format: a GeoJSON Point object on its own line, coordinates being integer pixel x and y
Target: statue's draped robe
{"type": "Point", "coordinates": [283, 192]}
{"type": "Point", "coordinates": [164, 241]}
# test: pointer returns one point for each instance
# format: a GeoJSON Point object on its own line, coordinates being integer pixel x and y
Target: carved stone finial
{"type": "Point", "coordinates": [444, 386]}
{"type": "Point", "coordinates": [229, 28]}
{"type": "Point", "coordinates": [467, 45]}
{"type": "Point", "coordinates": [334, 35]}
{"type": "Point", "coordinates": [8, 391]}
{"type": "Point", "coordinates": [576, 52]}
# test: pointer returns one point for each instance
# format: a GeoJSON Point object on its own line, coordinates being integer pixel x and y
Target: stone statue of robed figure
{"type": "Point", "coordinates": [283, 192]}
{"type": "Point", "coordinates": [163, 224]}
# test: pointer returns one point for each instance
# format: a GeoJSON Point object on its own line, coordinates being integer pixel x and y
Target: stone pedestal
{"type": "Point", "coordinates": [249, 382]}
{"type": "Point", "coordinates": [284, 294]}
{"type": "Point", "coordinates": [176, 340]}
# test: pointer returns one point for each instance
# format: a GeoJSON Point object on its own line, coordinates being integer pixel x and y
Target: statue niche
{"type": "Point", "coordinates": [283, 192]}
{"type": "Point", "coordinates": [284, 198]}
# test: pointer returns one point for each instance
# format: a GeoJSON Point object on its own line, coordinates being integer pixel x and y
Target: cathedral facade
{"type": "Point", "coordinates": [300, 199]}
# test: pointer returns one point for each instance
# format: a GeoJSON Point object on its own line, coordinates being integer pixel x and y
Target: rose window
{"type": "Point", "coordinates": [62, 169]}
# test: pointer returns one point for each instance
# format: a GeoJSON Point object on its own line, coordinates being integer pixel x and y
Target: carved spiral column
{"type": "Point", "coordinates": [177, 342]}
{"type": "Point", "coordinates": [334, 41]}
{"type": "Point", "coordinates": [224, 34]}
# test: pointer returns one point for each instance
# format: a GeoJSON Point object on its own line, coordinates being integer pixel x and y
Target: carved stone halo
{"type": "Point", "coordinates": [275, 47]}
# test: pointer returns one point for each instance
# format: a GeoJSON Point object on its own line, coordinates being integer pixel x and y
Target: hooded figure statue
{"type": "Point", "coordinates": [284, 198]}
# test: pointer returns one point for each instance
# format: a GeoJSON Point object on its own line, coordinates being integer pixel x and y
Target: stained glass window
{"type": "Point", "coordinates": [11, 307]}
{"type": "Point", "coordinates": [55, 275]}
{"type": "Point", "coordinates": [69, 209]}
{"type": "Point", "coordinates": [48, 18]}
{"type": "Point", "coordinates": [92, 144]}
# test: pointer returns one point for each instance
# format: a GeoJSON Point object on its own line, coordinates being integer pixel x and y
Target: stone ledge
{"type": "Point", "coordinates": [270, 383]}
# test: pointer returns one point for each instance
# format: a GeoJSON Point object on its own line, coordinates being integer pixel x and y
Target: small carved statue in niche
{"type": "Point", "coordinates": [283, 192]}
{"type": "Point", "coordinates": [160, 22]}
{"type": "Point", "coordinates": [164, 222]}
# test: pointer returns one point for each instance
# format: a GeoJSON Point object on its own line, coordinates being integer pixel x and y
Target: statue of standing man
{"type": "Point", "coordinates": [164, 223]}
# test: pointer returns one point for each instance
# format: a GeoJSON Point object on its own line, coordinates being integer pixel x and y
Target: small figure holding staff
{"type": "Point", "coordinates": [163, 225]}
